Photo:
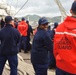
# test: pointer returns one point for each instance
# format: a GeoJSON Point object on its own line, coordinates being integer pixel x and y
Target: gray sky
{"type": "Point", "coordinates": [40, 7]}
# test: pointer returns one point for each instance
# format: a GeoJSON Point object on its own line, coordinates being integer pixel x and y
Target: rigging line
{"type": "Point", "coordinates": [21, 7]}
{"type": "Point", "coordinates": [66, 11]}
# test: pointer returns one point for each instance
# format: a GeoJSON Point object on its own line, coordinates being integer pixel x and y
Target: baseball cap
{"type": "Point", "coordinates": [42, 21]}
{"type": "Point", "coordinates": [23, 18]}
{"type": "Point", "coordinates": [27, 21]}
{"type": "Point", "coordinates": [55, 24]}
{"type": "Point", "coordinates": [73, 7]}
{"type": "Point", "coordinates": [8, 19]}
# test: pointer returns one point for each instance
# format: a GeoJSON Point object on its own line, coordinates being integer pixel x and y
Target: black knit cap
{"type": "Point", "coordinates": [8, 19]}
{"type": "Point", "coordinates": [73, 8]}
{"type": "Point", "coordinates": [23, 18]}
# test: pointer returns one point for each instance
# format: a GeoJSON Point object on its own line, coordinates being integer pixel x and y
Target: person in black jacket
{"type": "Point", "coordinates": [2, 23]}
{"type": "Point", "coordinates": [42, 43]}
{"type": "Point", "coordinates": [9, 38]}
{"type": "Point", "coordinates": [52, 62]}
{"type": "Point", "coordinates": [29, 32]}
{"type": "Point", "coordinates": [16, 22]}
{"type": "Point", "coordinates": [54, 29]}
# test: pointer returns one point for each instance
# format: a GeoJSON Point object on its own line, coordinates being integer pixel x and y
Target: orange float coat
{"type": "Point", "coordinates": [65, 45]}
{"type": "Point", "coordinates": [23, 27]}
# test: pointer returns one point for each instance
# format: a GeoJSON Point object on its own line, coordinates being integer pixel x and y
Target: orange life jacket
{"type": "Point", "coordinates": [65, 45]}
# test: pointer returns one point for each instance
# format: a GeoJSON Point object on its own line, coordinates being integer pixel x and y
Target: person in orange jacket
{"type": "Point", "coordinates": [65, 45]}
{"type": "Point", "coordinates": [23, 27]}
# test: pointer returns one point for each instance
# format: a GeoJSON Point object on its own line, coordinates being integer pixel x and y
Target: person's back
{"type": "Point", "coordinates": [30, 30]}
{"type": "Point", "coordinates": [23, 27]}
{"type": "Point", "coordinates": [29, 33]}
{"type": "Point", "coordinates": [9, 38]}
{"type": "Point", "coordinates": [65, 45]}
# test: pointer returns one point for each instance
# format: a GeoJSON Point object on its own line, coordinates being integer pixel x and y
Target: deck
{"type": "Point", "coordinates": [24, 66]}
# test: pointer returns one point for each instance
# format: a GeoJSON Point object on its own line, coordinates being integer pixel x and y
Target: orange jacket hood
{"type": "Point", "coordinates": [65, 45]}
{"type": "Point", "coordinates": [70, 22]}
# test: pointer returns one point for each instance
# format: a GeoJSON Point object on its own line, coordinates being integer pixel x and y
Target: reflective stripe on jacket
{"type": "Point", "coordinates": [65, 45]}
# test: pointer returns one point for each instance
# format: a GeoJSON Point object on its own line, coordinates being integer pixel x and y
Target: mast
{"type": "Point", "coordinates": [62, 10]}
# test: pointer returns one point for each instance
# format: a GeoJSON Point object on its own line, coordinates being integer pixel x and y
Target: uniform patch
{"type": "Point", "coordinates": [64, 43]}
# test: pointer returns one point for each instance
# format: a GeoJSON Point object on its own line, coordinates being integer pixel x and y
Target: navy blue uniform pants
{"type": "Point", "coordinates": [52, 62]}
{"type": "Point", "coordinates": [13, 63]}
{"type": "Point", "coordinates": [61, 72]}
{"type": "Point", "coordinates": [40, 69]}
{"type": "Point", "coordinates": [28, 44]}
{"type": "Point", "coordinates": [23, 41]}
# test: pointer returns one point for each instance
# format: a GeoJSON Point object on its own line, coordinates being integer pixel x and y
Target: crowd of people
{"type": "Point", "coordinates": [50, 47]}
